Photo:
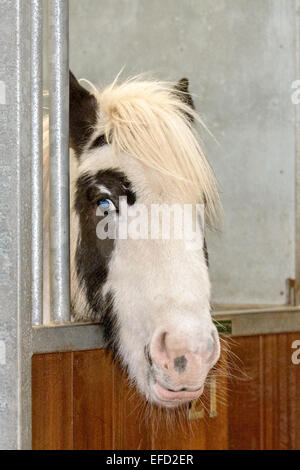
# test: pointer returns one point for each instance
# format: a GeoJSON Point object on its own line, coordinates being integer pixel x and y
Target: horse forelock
{"type": "Point", "coordinates": [151, 121]}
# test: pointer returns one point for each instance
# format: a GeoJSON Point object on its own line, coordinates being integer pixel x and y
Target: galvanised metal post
{"type": "Point", "coordinates": [59, 160]}
{"type": "Point", "coordinates": [297, 156]}
{"type": "Point", "coordinates": [37, 159]}
{"type": "Point", "coordinates": [15, 225]}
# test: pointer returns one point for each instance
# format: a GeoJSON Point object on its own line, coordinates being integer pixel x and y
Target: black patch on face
{"type": "Point", "coordinates": [92, 254]}
{"type": "Point", "coordinates": [110, 325]}
{"type": "Point", "coordinates": [180, 364]}
{"type": "Point", "coordinates": [83, 115]}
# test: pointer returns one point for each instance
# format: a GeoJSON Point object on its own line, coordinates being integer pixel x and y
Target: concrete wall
{"type": "Point", "coordinates": [239, 57]}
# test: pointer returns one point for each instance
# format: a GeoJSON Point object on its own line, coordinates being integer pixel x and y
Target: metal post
{"type": "Point", "coordinates": [297, 158]}
{"type": "Point", "coordinates": [15, 225]}
{"type": "Point", "coordinates": [59, 160]}
{"type": "Point", "coordinates": [37, 160]}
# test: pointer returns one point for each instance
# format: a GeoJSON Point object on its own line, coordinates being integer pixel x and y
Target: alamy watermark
{"type": "Point", "coordinates": [152, 222]}
{"type": "Point", "coordinates": [296, 353]}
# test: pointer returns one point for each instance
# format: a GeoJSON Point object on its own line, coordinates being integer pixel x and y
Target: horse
{"type": "Point", "coordinates": [135, 144]}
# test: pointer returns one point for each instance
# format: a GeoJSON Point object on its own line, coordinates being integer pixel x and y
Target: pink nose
{"type": "Point", "coordinates": [182, 363]}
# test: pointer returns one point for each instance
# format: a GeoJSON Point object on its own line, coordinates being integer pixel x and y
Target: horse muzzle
{"type": "Point", "coordinates": [181, 363]}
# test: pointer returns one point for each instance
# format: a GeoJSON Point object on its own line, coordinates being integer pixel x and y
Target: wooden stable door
{"type": "Point", "coordinates": [82, 401]}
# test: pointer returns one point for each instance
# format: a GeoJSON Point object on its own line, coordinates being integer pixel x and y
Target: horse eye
{"type": "Point", "coordinates": [106, 205]}
{"type": "Point", "coordinates": [99, 142]}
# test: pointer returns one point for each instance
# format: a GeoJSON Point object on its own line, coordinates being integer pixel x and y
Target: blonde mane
{"type": "Point", "coordinates": [150, 121]}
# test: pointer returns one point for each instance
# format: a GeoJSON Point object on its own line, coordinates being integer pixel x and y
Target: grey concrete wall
{"type": "Point", "coordinates": [239, 57]}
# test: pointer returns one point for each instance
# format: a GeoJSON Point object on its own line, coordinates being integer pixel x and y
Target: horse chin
{"type": "Point", "coordinates": [163, 397]}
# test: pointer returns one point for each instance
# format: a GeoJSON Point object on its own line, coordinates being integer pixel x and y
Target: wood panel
{"type": "Point", "coordinates": [107, 412]}
{"type": "Point", "coordinates": [281, 380]}
{"type": "Point", "coordinates": [52, 397]}
{"type": "Point", "coordinates": [93, 401]}
{"type": "Point", "coordinates": [244, 398]}
{"type": "Point", "coordinates": [82, 401]}
{"type": "Point", "coordinates": [264, 405]}
{"type": "Point", "coordinates": [132, 420]}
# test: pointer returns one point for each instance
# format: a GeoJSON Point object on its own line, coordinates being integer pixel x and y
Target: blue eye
{"type": "Point", "coordinates": [106, 205]}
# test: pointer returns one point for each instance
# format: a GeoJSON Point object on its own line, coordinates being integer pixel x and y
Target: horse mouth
{"type": "Point", "coordinates": [171, 398]}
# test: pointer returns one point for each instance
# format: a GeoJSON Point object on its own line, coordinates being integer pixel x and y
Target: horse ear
{"type": "Point", "coordinates": [83, 115]}
{"type": "Point", "coordinates": [183, 87]}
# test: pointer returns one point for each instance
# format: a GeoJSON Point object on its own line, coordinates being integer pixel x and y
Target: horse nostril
{"type": "Point", "coordinates": [213, 346]}
{"type": "Point", "coordinates": [180, 363]}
